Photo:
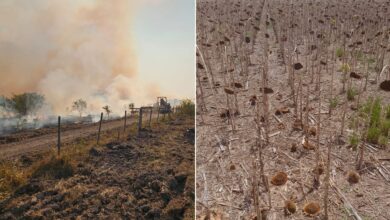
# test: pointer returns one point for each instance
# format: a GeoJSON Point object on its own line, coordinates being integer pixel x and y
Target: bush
{"type": "Point", "coordinates": [187, 107]}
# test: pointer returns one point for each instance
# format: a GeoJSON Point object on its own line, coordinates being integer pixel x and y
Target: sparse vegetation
{"type": "Point", "coordinates": [333, 102]}
{"type": "Point", "coordinates": [320, 62]}
{"type": "Point", "coordinates": [351, 93]}
{"type": "Point", "coordinates": [339, 52]}
{"type": "Point", "coordinates": [186, 107]}
{"type": "Point", "coordinates": [354, 141]}
{"type": "Point", "coordinates": [22, 105]}
{"type": "Point", "coordinates": [80, 106]}
{"type": "Point", "coordinates": [107, 110]}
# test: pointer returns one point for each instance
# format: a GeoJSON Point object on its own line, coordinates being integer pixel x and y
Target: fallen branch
{"type": "Point", "coordinates": [348, 206]}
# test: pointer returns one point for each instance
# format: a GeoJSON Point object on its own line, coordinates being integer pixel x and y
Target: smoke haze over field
{"type": "Point", "coordinates": [68, 50]}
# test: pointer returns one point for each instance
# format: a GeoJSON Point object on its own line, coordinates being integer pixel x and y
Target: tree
{"type": "Point", "coordinates": [80, 106]}
{"type": "Point", "coordinates": [23, 104]}
{"type": "Point", "coordinates": [131, 106]}
{"type": "Point", "coordinates": [108, 110]}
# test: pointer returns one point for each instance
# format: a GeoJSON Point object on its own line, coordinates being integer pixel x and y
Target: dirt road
{"type": "Point", "coordinates": [47, 141]}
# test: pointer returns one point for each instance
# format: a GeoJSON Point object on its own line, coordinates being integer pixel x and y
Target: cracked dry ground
{"type": "Point", "coordinates": [146, 177]}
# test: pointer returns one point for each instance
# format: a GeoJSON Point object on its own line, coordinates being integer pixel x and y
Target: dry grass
{"type": "Point", "coordinates": [51, 166]}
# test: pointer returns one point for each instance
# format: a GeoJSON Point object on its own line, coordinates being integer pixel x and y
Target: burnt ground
{"type": "Point", "coordinates": [145, 177]}
{"type": "Point", "coordinates": [225, 156]}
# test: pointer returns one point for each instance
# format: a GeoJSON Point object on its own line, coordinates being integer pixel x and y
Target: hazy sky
{"type": "Point", "coordinates": [164, 43]}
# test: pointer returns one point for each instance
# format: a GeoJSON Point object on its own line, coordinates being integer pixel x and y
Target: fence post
{"type": "Point", "coordinates": [59, 136]}
{"type": "Point", "coordinates": [124, 126]}
{"type": "Point", "coordinates": [150, 115]}
{"type": "Point", "coordinates": [140, 120]}
{"type": "Point", "coordinates": [100, 126]}
{"type": "Point", "coordinates": [158, 111]}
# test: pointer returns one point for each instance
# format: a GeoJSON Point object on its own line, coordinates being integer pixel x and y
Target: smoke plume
{"type": "Point", "coordinates": [68, 50]}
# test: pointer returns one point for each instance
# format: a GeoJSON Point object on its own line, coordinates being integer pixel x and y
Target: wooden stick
{"type": "Point", "coordinates": [124, 126]}
{"type": "Point", "coordinates": [348, 206]}
{"type": "Point", "coordinates": [140, 120]}
{"type": "Point", "coordinates": [59, 136]}
{"type": "Point", "coordinates": [100, 126]}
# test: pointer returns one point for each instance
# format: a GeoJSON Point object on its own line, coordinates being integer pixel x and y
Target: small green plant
{"type": "Point", "coordinates": [383, 141]}
{"type": "Point", "coordinates": [359, 56]}
{"type": "Point", "coordinates": [339, 52]}
{"type": "Point", "coordinates": [333, 102]}
{"type": "Point", "coordinates": [354, 141]}
{"type": "Point", "coordinates": [378, 124]}
{"type": "Point", "coordinates": [385, 127]}
{"type": "Point", "coordinates": [373, 134]}
{"type": "Point", "coordinates": [351, 93]}
{"type": "Point", "coordinates": [376, 110]}
{"type": "Point", "coordinates": [387, 112]}
{"type": "Point", "coordinates": [345, 68]}
{"type": "Point", "coordinates": [370, 60]}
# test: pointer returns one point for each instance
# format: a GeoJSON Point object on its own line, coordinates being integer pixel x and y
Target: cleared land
{"type": "Point", "coordinates": [244, 46]}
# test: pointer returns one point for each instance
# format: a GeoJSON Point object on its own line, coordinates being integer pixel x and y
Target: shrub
{"type": "Point", "coordinates": [187, 107]}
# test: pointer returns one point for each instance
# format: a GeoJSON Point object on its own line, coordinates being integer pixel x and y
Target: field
{"type": "Point", "coordinates": [136, 176]}
{"type": "Point", "coordinates": [293, 110]}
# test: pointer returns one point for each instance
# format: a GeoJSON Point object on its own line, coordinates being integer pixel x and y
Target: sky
{"type": "Point", "coordinates": [164, 43]}
{"type": "Point", "coordinates": [105, 52]}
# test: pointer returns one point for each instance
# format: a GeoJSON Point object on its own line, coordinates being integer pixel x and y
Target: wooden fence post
{"type": "Point", "coordinates": [124, 126]}
{"type": "Point", "coordinates": [59, 136]}
{"type": "Point", "coordinates": [150, 115]}
{"type": "Point", "coordinates": [140, 120]}
{"type": "Point", "coordinates": [100, 126]}
{"type": "Point", "coordinates": [158, 111]}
